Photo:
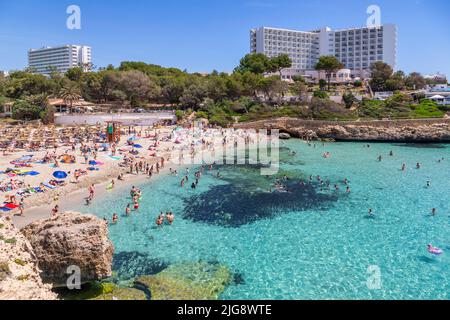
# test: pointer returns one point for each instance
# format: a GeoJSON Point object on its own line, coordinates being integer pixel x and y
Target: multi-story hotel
{"type": "Point", "coordinates": [61, 59]}
{"type": "Point", "coordinates": [356, 48]}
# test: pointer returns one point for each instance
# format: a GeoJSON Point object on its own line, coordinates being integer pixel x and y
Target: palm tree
{"type": "Point", "coordinates": [70, 93]}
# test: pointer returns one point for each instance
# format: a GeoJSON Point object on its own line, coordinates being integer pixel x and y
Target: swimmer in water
{"type": "Point", "coordinates": [380, 158]}
{"type": "Point", "coordinates": [428, 184]}
{"type": "Point", "coordinates": [433, 212]}
{"type": "Point", "coordinates": [115, 218]}
{"type": "Point", "coordinates": [403, 167]}
{"type": "Point", "coordinates": [418, 166]}
{"type": "Point", "coordinates": [136, 206]}
{"type": "Point", "coordinates": [370, 213]}
{"type": "Point", "coordinates": [170, 218]}
{"type": "Point", "coordinates": [128, 210]}
{"type": "Point", "coordinates": [159, 221]}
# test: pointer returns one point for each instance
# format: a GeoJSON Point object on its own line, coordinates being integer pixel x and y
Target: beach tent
{"type": "Point", "coordinates": [60, 175]}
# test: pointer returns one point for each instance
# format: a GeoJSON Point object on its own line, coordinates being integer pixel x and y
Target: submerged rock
{"type": "Point", "coordinates": [71, 239]}
{"type": "Point", "coordinates": [129, 265]}
{"type": "Point", "coordinates": [285, 136]}
{"type": "Point", "coordinates": [105, 291]}
{"type": "Point", "coordinates": [187, 281]}
{"type": "Point", "coordinates": [19, 272]}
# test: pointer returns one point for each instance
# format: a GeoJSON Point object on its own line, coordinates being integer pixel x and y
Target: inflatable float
{"type": "Point", "coordinates": [435, 251]}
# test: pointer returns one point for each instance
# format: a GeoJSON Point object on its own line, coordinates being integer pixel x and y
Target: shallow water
{"type": "Point", "coordinates": [307, 243]}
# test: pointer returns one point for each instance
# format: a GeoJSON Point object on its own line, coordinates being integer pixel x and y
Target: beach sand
{"type": "Point", "coordinates": [39, 205]}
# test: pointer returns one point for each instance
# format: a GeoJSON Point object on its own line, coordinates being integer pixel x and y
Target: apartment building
{"type": "Point", "coordinates": [61, 59]}
{"type": "Point", "coordinates": [356, 48]}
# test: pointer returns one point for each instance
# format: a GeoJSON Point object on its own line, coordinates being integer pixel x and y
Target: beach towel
{"type": "Point", "coordinates": [49, 186]}
{"type": "Point", "coordinates": [11, 206]}
{"type": "Point", "coordinates": [4, 209]}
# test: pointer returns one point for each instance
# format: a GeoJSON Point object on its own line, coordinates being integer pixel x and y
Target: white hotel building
{"type": "Point", "coordinates": [356, 48]}
{"type": "Point", "coordinates": [60, 58]}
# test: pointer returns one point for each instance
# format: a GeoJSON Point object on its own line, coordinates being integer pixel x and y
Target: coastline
{"type": "Point", "coordinates": [407, 131]}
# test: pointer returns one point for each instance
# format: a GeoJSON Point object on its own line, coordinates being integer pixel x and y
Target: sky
{"type": "Point", "coordinates": [206, 35]}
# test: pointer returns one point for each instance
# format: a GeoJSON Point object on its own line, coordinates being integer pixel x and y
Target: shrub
{"type": "Point", "coordinates": [23, 110]}
{"type": "Point", "coordinates": [320, 94]}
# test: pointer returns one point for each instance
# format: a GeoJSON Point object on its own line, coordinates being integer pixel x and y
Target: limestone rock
{"type": "Point", "coordinates": [19, 272]}
{"type": "Point", "coordinates": [414, 130]}
{"type": "Point", "coordinates": [187, 281]}
{"type": "Point", "coordinates": [71, 239]}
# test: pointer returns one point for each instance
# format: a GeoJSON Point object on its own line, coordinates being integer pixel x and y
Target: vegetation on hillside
{"type": "Point", "coordinates": [253, 91]}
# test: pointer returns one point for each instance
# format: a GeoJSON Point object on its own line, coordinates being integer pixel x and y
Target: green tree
{"type": "Point", "coordinates": [415, 81]}
{"type": "Point", "coordinates": [380, 73]}
{"type": "Point", "coordinates": [74, 74]}
{"type": "Point", "coordinates": [257, 63]}
{"type": "Point", "coordinates": [278, 63]}
{"type": "Point", "coordinates": [24, 110]}
{"type": "Point", "coordinates": [330, 65]}
{"type": "Point", "coordinates": [48, 115]}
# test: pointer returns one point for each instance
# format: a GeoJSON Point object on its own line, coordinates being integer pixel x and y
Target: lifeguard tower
{"type": "Point", "coordinates": [113, 131]}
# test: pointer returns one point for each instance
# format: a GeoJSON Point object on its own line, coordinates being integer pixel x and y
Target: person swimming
{"type": "Point", "coordinates": [433, 212]}
{"type": "Point", "coordinates": [159, 221]}
{"type": "Point", "coordinates": [170, 218]}
{"type": "Point", "coordinates": [115, 218]}
{"type": "Point", "coordinates": [128, 210]}
{"type": "Point", "coordinates": [136, 205]}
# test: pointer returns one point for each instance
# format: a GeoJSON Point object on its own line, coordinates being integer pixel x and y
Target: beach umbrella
{"type": "Point", "coordinates": [60, 175]}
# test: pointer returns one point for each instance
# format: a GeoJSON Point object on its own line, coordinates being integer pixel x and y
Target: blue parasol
{"type": "Point", "coordinates": [60, 175]}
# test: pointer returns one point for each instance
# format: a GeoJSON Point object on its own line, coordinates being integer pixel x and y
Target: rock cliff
{"type": "Point", "coordinates": [434, 130]}
{"type": "Point", "coordinates": [71, 239]}
{"type": "Point", "coordinates": [19, 273]}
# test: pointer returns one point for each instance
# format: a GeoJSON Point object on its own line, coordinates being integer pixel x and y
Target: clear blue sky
{"type": "Point", "coordinates": [203, 35]}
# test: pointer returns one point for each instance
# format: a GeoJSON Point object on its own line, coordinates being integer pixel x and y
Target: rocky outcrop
{"type": "Point", "coordinates": [71, 239]}
{"type": "Point", "coordinates": [434, 130]}
{"type": "Point", "coordinates": [19, 273]}
{"type": "Point", "coordinates": [187, 281]}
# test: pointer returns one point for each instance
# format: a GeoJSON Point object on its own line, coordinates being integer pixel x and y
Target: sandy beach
{"type": "Point", "coordinates": [38, 205]}
{"type": "Point", "coordinates": [154, 145]}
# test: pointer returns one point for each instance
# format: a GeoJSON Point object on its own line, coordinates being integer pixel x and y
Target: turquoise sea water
{"type": "Point", "coordinates": [307, 243]}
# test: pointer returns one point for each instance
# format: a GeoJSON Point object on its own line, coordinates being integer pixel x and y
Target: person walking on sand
{"type": "Point", "coordinates": [21, 207]}
{"type": "Point", "coordinates": [91, 191]}
{"type": "Point", "coordinates": [55, 210]}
